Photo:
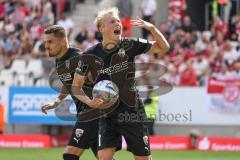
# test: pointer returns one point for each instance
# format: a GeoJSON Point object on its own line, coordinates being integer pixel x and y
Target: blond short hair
{"type": "Point", "coordinates": [112, 11]}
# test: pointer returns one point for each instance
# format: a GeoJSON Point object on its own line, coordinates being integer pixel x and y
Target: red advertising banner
{"type": "Point", "coordinates": [224, 95]}
{"type": "Point", "coordinates": [167, 142]}
{"type": "Point", "coordinates": [218, 144]}
{"type": "Point", "coordinates": [60, 141]}
{"type": "Point", "coordinates": [25, 141]}
{"type": "Point", "coordinates": [170, 142]}
{"type": "Point", "coordinates": [156, 142]}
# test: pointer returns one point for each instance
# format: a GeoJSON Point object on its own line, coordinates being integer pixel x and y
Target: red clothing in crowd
{"type": "Point", "coordinates": [1, 118]}
{"type": "Point", "coordinates": [188, 78]}
{"type": "Point", "coordinates": [177, 8]}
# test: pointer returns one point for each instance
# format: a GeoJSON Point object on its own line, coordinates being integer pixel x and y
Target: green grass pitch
{"type": "Point", "coordinates": [56, 154]}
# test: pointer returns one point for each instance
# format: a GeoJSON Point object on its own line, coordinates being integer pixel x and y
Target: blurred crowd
{"type": "Point", "coordinates": [197, 55]}
{"type": "Point", "coordinates": [194, 55]}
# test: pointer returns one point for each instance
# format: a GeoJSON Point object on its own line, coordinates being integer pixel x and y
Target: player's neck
{"type": "Point", "coordinates": [109, 44]}
{"type": "Point", "coordinates": [63, 51]}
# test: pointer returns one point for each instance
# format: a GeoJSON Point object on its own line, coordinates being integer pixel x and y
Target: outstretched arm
{"type": "Point", "coordinates": [160, 44]}
{"type": "Point", "coordinates": [58, 100]}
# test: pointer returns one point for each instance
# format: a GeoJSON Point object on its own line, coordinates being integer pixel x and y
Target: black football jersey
{"type": "Point", "coordinates": [116, 64]}
{"type": "Point", "coordinates": [65, 67]}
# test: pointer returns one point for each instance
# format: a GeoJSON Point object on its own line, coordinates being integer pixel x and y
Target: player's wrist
{"type": "Point", "coordinates": [57, 101]}
{"type": "Point", "coordinates": [88, 102]}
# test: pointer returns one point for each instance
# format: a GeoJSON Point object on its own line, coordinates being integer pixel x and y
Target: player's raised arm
{"type": "Point", "coordinates": [56, 102]}
{"type": "Point", "coordinates": [160, 44]}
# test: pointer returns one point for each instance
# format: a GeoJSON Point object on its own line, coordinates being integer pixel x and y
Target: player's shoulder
{"type": "Point", "coordinates": [92, 50]}
{"type": "Point", "coordinates": [74, 51]}
{"type": "Point", "coordinates": [129, 39]}
{"type": "Point", "coordinates": [132, 40]}
{"type": "Point", "coordinates": [138, 39]}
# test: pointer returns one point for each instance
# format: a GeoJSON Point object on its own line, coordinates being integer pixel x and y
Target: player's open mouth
{"type": "Point", "coordinates": [117, 31]}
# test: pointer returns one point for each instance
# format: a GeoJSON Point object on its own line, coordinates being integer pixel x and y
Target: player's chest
{"type": "Point", "coordinates": [113, 63]}
{"type": "Point", "coordinates": [65, 70]}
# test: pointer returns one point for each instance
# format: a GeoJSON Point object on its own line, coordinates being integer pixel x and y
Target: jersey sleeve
{"type": "Point", "coordinates": [89, 63]}
{"type": "Point", "coordinates": [83, 66]}
{"type": "Point", "coordinates": [140, 46]}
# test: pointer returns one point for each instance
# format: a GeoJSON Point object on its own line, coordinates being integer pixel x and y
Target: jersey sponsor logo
{"type": "Point", "coordinates": [115, 68]}
{"type": "Point", "coordinates": [65, 77]}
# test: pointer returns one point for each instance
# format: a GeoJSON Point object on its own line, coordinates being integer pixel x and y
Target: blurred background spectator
{"type": "Point", "coordinates": [126, 10]}
{"type": "Point", "coordinates": [148, 10]}
{"type": "Point", "coordinates": [151, 104]}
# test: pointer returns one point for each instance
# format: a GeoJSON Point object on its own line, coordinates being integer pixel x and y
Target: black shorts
{"type": "Point", "coordinates": [85, 135]}
{"type": "Point", "coordinates": [130, 124]}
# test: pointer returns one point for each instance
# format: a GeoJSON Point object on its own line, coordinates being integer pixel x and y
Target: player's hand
{"type": "Point", "coordinates": [48, 106]}
{"type": "Point", "coordinates": [96, 103]}
{"type": "Point", "coordinates": [141, 23]}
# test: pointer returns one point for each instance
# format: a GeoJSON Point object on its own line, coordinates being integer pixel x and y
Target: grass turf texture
{"type": "Point", "coordinates": [56, 154]}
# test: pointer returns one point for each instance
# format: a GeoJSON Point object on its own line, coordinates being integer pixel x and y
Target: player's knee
{"type": "Point", "coordinates": [106, 154]}
{"type": "Point", "coordinates": [67, 156]}
{"type": "Point", "coordinates": [74, 150]}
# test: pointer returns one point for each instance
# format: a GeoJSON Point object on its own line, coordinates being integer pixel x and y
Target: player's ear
{"type": "Point", "coordinates": [101, 29]}
{"type": "Point", "coordinates": [64, 41]}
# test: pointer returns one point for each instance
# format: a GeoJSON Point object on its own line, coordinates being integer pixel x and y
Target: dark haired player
{"type": "Point", "coordinates": [84, 134]}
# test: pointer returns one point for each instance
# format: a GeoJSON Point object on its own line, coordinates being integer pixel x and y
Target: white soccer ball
{"type": "Point", "coordinates": [107, 91]}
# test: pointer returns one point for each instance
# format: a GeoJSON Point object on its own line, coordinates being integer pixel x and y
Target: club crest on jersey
{"type": "Point", "coordinates": [79, 64]}
{"type": "Point", "coordinates": [67, 63]}
{"type": "Point", "coordinates": [79, 132]}
{"type": "Point", "coordinates": [79, 67]}
{"type": "Point", "coordinates": [121, 52]}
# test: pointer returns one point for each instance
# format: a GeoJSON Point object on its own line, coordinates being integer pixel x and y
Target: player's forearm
{"type": "Point", "coordinates": [63, 93]}
{"type": "Point", "coordinates": [80, 95]}
{"type": "Point", "coordinates": [61, 96]}
{"type": "Point", "coordinates": [77, 89]}
{"type": "Point", "coordinates": [160, 39]}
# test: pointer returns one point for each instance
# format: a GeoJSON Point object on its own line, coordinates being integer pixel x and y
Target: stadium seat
{"type": "Point", "coordinates": [18, 71]}
{"type": "Point", "coordinates": [19, 66]}
{"type": "Point", "coordinates": [34, 70]}
{"type": "Point", "coordinates": [6, 77]}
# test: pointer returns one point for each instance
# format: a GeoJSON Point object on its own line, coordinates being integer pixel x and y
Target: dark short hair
{"type": "Point", "coordinates": [57, 30]}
